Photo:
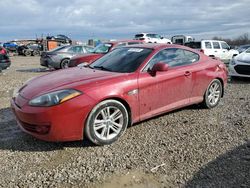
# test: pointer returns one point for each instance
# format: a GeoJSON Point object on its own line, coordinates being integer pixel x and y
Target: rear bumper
{"type": "Point", "coordinates": [4, 65]}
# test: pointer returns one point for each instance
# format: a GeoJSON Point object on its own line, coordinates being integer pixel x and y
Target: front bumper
{"type": "Point", "coordinates": [239, 70]}
{"type": "Point", "coordinates": [64, 122]}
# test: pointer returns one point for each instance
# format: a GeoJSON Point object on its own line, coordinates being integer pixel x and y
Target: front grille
{"type": "Point", "coordinates": [242, 69]}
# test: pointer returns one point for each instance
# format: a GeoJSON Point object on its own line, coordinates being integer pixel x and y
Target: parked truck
{"type": "Point", "coordinates": [181, 39]}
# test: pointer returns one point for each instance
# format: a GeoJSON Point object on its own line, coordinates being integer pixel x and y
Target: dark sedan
{"type": "Point", "coordinates": [4, 62]}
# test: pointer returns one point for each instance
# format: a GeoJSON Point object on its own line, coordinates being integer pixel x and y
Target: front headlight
{"type": "Point", "coordinates": [54, 98]}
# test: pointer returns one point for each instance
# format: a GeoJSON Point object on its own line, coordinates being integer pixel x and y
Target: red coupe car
{"type": "Point", "coordinates": [100, 51]}
{"type": "Point", "coordinates": [127, 85]}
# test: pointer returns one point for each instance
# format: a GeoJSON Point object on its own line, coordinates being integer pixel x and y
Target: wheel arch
{"type": "Point", "coordinates": [222, 83]}
{"type": "Point", "coordinates": [125, 103]}
{"type": "Point", "coordinates": [65, 58]}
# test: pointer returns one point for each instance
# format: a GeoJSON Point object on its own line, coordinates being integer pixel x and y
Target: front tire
{"type": "Point", "coordinates": [106, 122]}
{"type": "Point", "coordinates": [213, 94]}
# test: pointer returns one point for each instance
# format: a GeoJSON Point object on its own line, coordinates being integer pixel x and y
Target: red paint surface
{"type": "Point", "coordinates": [163, 92]}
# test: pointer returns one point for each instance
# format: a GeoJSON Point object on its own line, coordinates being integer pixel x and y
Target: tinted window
{"type": "Point", "coordinates": [216, 45]}
{"type": "Point", "coordinates": [75, 49]}
{"type": "Point", "coordinates": [121, 44]}
{"type": "Point", "coordinates": [174, 57]}
{"type": "Point", "coordinates": [123, 60]}
{"type": "Point", "coordinates": [88, 48]}
{"type": "Point", "coordinates": [195, 45]}
{"type": "Point", "coordinates": [131, 43]}
{"type": "Point", "coordinates": [139, 35]}
{"type": "Point", "coordinates": [208, 45]}
{"type": "Point", "coordinates": [248, 50]}
{"type": "Point", "coordinates": [102, 48]}
{"type": "Point", "coordinates": [224, 45]}
{"type": "Point", "coordinates": [153, 36]}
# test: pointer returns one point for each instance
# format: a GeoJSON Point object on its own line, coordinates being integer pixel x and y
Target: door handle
{"type": "Point", "coordinates": [187, 73]}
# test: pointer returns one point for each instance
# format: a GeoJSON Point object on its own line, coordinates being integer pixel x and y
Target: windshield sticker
{"type": "Point", "coordinates": [107, 45]}
{"type": "Point", "coordinates": [135, 50]}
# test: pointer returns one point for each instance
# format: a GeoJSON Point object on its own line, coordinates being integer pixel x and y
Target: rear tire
{"type": "Point", "coordinates": [213, 94]}
{"type": "Point", "coordinates": [36, 53]}
{"type": "Point", "coordinates": [106, 122]}
{"type": "Point", "coordinates": [65, 64]}
{"type": "Point", "coordinates": [27, 53]}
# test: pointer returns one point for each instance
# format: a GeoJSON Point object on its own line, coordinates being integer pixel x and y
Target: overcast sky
{"type": "Point", "coordinates": [84, 19]}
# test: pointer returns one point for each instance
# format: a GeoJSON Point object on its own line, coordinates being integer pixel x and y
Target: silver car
{"type": "Point", "coordinates": [240, 65]}
{"type": "Point", "coordinates": [58, 58]}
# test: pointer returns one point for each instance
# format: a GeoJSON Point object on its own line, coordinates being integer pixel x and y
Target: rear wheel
{"type": "Point", "coordinates": [65, 64]}
{"type": "Point", "coordinates": [27, 53]}
{"type": "Point", "coordinates": [36, 53]}
{"type": "Point", "coordinates": [213, 94]}
{"type": "Point", "coordinates": [106, 122]}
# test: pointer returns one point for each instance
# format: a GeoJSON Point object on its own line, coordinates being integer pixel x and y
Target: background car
{"type": "Point", "coordinates": [59, 57]}
{"type": "Point", "coordinates": [239, 66]}
{"type": "Point", "coordinates": [4, 61]}
{"type": "Point", "coordinates": [214, 48]}
{"type": "Point", "coordinates": [60, 38]}
{"type": "Point", "coordinates": [29, 49]}
{"type": "Point", "coordinates": [242, 48]}
{"type": "Point", "coordinates": [10, 46]}
{"type": "Point", "coordinates": [152, 38]}
{"type": "Point", "coordinates": [125, 86]}
{"type": "Point", "coordinates": [3, 51]}
{"type": "Point", "coordinates": [100, 51]}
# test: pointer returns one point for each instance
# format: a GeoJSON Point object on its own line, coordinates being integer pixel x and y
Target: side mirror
{"type": "Point", "coordinates": [159, 67]}
{"type": "Point", "coordinates": [229, 48]}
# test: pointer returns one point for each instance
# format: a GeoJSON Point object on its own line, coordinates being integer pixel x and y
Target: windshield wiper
{"type": "Point", "coordinates": [101, 68]}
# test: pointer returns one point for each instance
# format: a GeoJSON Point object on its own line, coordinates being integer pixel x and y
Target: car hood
{"type": "Point", "coordinates": [64, 79]}
{"type": "Point", "coordinates": [243, 57]}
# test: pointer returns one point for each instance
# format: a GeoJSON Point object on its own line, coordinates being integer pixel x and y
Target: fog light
{"type": "Point", "coordinates": [42, 129]}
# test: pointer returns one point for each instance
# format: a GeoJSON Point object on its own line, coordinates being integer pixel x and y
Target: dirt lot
{"type": "Point", "coordinates": [191, 147]}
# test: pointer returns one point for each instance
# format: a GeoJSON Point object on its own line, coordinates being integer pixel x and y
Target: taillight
{"type": "Point", "coordinates": [202, 51]}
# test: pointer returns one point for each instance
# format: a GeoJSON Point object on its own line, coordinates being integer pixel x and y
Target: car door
{"type": "Point", "coordinates": [217, 50]}
{"type": "Point", "coordinates": [166, 90]}
{"type": "Point", "coordinates": [226, 54]}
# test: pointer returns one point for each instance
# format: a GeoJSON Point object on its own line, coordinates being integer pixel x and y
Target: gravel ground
{"type": "Point", "coordinates": [191, 147]}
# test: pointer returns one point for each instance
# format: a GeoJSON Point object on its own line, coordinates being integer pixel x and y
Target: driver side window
{"type": "Point", "coordinates": [173, 57]}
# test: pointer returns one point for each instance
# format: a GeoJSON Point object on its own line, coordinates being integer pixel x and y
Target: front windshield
{"type": "Point", "coordinates": [102, 48]}
{"type": "Point", "coordinates": [123, 60]}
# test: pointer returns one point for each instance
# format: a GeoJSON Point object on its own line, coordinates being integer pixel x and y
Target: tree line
{"type": "Point", "coordinates": [240, 40]}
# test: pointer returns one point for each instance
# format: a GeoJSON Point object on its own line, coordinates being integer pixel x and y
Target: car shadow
{"type": "Point", "coordinates": [38, 70]}
{"type": "Point", "coordinates": [231, 169]}
{"type": "Point", "coordinates": [239, 80]}
{"type": "Point", "coordinates": [14, 139]}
